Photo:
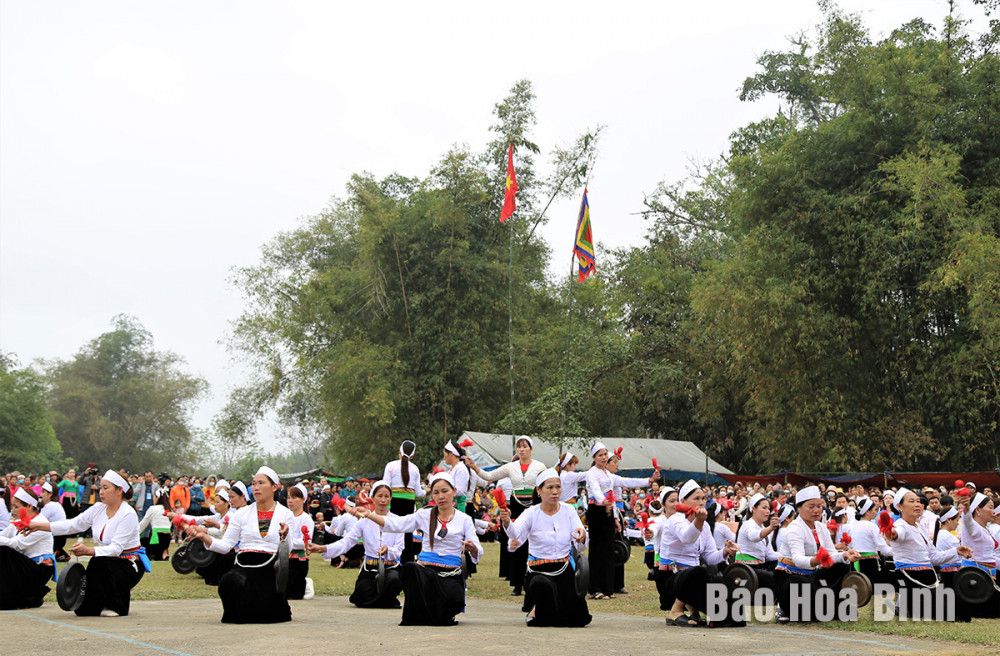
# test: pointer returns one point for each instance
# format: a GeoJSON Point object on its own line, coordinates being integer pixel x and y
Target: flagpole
{"type": "Point", "coordinates": [510, 332]}
{"type": "Point", "coordinates": [569, 345]}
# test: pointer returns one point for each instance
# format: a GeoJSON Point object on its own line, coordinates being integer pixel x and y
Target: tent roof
{"type": "Point", "coordinates": [492, 450]}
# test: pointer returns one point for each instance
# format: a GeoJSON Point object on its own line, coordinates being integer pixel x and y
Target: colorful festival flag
{"type": "Point", "coordinates": [584, 247]}
{"type": "Point", "coordinates": [508, 200]}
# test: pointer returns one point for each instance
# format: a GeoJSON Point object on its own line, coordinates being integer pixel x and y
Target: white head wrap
{"type": "Point", "coordinates": [302, 488]}
{"type": "Point", "coordinates": [546, 475]}
{"type": "Point", "coordinates": [786, 511]}
{"type": "Point", "coordinates": [23, 496]}
{"type": "Point", "coordinates": [349, 502]}
{"type": "Point", "coordinates": [665, 492]}
{"type": "Point", "coordinates": [115, 478]}
{"type": "Point", "coordinates": [222, 484]}
{"type": "Point", "coordinates": [47, 487]}
{"type": "Point", "coordinates": [597, 447]}
{"type": "Point", "coordinates": [566, 459]}
{"type": "Point", "coordinates": [527, 439]}
{"type": "Point", "coordinates": [270, 473]}
{"type": "Point", "coordinates": [754, 499]}
{"type": "Point", "coordinates": [898, 499]}
{"type": "Point", "coordinates": [408, 455]}
{"type": "Point", "coordinates": [866, 505]}
{"type": "Point", "coordinates": [977, 501]}
{"type": "Point", "coordinates": [688, 488]}
{"type": "Point", "coordinates": [441, 476]}
{"type": "Point", "coordinates": [842, 511]}
{"type": "Point", "coordinates": [377, 484]}
{"type": "Point", "coordinates": [807, 493]}
{"type": "Point", "coordinates": [451, 447]}
{"type": "Point", "coordinates": [947, 515]}
{"type": "Point", "coordinates": [655, 511]}
{"type": "Point", "coordinates": [241, 487]}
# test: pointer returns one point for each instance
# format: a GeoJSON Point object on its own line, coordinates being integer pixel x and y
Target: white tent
{"type": "Point", "coordinates": [676, 459]}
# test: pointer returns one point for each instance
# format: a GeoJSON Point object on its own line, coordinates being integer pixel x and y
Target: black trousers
{"type": "Point", "coordinates": [109, 585]}
{"type": "Point", "coordinates": [403, 507]}
{"type": "Point", "coordinates": [601, 553]}
{"type": "Point", "coordinates": [430, 599]}
{"type": "Point", "coordinates": [249, 594]}
{"type": "Point", "coordinates": [811, 585]}
{"type": "Point", "coordinates": [22, 580]}
{"type": "Point", "coordinates": [554, 598]}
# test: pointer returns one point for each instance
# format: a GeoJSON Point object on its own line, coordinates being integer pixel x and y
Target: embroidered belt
{"type": "Point", "coordinates": [139, 553]}
{"type": "Point", "coordinates": [673, 566]}
{"type": "Point", "coordinates": [373, 562]}
{"type": "Point", "coordinates": [868, 555]}
{"type": "Point", "coordinates": [950, 568]}
{"type": "Point", "coordinates": [543, 561]}
{"type": "Point", "coordinates": [648, 547]}
{"type": "Point", "coordinates": [745, 558]}
{"type": "Point", "coordinates": [298, 554]}
{"type": "Point", "coordinates": [403, 493]}
{"type": "Point", "coordinates": [788, 565]}
{"type": "Point", "coordinates": [914, 567]}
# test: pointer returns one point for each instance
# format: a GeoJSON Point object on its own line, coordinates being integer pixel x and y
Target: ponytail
{"type": "Point", "coordinates": [406, 451]}
{"type": "Point", "coordinates": [433, 526]}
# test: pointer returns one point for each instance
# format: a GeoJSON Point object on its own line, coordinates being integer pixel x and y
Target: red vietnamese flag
{"type": "Point", "coordinates": [508, 200]}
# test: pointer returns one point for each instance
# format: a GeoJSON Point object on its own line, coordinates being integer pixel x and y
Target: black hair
{"type": "Point", "coordinates": [406, 451]}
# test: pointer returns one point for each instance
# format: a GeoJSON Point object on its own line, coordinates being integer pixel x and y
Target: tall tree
{"type": "Point", "coordinates": [120, 403]}
{"type": "Point", "coordinates": [27, 441]}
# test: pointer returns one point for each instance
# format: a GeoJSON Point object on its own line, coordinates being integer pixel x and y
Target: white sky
{"type": "Point", "coordinates": [146, 148]}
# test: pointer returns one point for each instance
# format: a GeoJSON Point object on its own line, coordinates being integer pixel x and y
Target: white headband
{"type": "Point", "coordinates": [688, 488]}
{"type": "Point", "coordinates": [866, 505]}
{"type": "Point", "coordinates": [441, 476]}
{"type": "Point", "coordinates": [842, 511]}
{"type": "Point", "coordinates": [597, 447]}
{"type": "Point", "coordinates": [222, 493]}
{"type": "Point", "coordinates": [305, 492]}
{"type": "Point", "coordinates": [898, 499]}
{"type": "Point", "coordinates": [241, 487]}
{"type": "Point", "coordinates": [349, 502]}
{"type": "Point", "coordinates": [719, 509]}
{"type": "Point", "coordinates": [223, 484]}
{"type": "Point", "coordinates": [401, 454]}
{"type": "Point", "coordinates": [47, 487]}
{"type": "Point", "coordinates": [527, 439]}
{"type": "Point", "coordinates": [807, 493]}
{"type": "Point", "coordinates": [114, 477]}
{"type": "Point", "coordinates": [377, 484]}
{"type": "Point", "coordinates": [270, 473]}
{"type": "Point", "coordinates": [566, 459]}
{"type": "Point", "coordinates": [21, 495]}
{"type": "Point", "coordinates": [948, 515]}
{"type": "Point", "coordinates": [546, 475]}
{"type": "Point", "coordinates": [665, 492]}
{"type": "Point", "coordinates": [786, 510]}
{"type": "Point", "coordinates": [754, 499]}
{"type": "Point", "coordinates": [655, 511]}
{"type": "Point", "coordinates": [451, 447]}
{"type": "Point", "coordinates": [977, 501]}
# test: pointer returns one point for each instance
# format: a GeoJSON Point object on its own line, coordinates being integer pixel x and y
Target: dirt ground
{"type": "Point", "coordinates": [331, 625]}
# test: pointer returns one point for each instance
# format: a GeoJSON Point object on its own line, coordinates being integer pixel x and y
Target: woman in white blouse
{"type": "Point", "coordinates": [118, 561]}
{"type": "Point", "coordinates": [157, 519]}
{"type": "Point", "coordinates": [248, 591]}
{"type": "Point", "coordinates": [569, 477]}
{"type": "Point", "coordinates": [300, 586]}
{"type": "Point", "coordinates": [803, 563]}
{"type": "Point", "coordinates": [433, 589]}
{"type": "Point", "coordinates": [976, 536]}
{"type": "Point", "coordinates": [869, 543]}
{"type": "Point", "coordinates": [378, 545]}
{"type": "Point", "coordinates": [915, 556]}
{"type": "Point", "coordinates": [404, 477]}
{"type": "Point", "coordinates": [551, 527]}
{"type": "Point", "coordinates": [521, 472]}
{"type": "Point", "coordinates": [52, 510]}
{"type": "Point", "coordinates": [600, 520]}
{"type": "Point", "coordinates": [752, 538]}
{"type": "Point", "coordinates": [26, 561]}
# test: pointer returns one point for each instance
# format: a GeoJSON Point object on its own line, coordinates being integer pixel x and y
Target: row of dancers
{"type": "Point", "coordinates": [426, 554]}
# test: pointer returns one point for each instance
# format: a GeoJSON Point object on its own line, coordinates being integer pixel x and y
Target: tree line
{"type": "Point", "coordinates": [823, 296]}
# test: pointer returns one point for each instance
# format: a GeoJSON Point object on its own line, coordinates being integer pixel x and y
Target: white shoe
{"type": "Point", "coordinates": [107, 612]}
{"type": "Point", "coordinates": [310, 590]}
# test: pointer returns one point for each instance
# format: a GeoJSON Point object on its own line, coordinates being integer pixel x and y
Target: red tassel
{"type": "Point", "coordinates": [618, 452]}
{"type": "Point", "coordinates": [885, 524]}
{"type": "Point", "coordinates": [466, 443]}
{"type": "Point", "coordinates": [610, 496]}
{"type": "Point", "coordinates": [774, 506]}
{"type": "Point", "coordinates": [500, 497]}
{"type": "Point", "coordinates": [825, 559]}
{"type": "Point", "coordinates": [655, 466]}
{"type": "Point", "coordinates": [846, 539]}
{"type": "Point", "coordinates": [340, 504]}
{"type": "Point", "coordinates": [686, 509]}
{"type": "Point", "coordinates": [24, 520]}
{"type": "Point", "coordinates": [832, 525]}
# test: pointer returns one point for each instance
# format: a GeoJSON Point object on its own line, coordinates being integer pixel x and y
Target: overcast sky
{"type": "Point", "coordinates": [147, 148]}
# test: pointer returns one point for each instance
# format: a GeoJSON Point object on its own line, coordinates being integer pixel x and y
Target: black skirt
{"type": "Point", "coordinates": [249, 594]}
{"type": "Point", "coordinates": [22, 580]}
{"type": "Point", "coordinates": [822, 578]}
{"type": "Point", "coordinates": [619, 581]}
{"type": "Point", "coordinates": [214, 571]}
{"type": "Point", "coordinates": [665, 587]}
{"type": "Point", "coordinates": [401, 508]}
{"type": "Point", "coordinates": [298, 570]}
{"type": "Point", "coordinates": [517, 561]}
{"type": "Point", "coordinates": [366, 594]}
{"type": "Point", "coordinates": [554, 597]}
{"type": "Point", "coordinates": [601, 552]}
{"type": "Point", "coordinates": [109, 585]}
{"type": "Point", "coordinates": [430, 599]}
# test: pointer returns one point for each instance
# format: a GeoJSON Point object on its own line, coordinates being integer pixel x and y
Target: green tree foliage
{"type": "Point", "coordinates": [857, 306]}
{"type": "Point", "coordinates": [384, 318]}
{"type": "Point", "coordinates": [27, 441]}
{"type": "Point", "coordinates": [120, 403]}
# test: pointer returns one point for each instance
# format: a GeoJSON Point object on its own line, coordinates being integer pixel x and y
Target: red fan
{"type": "Point", "coordinates": [618, 452]}
{"type": "Point", "coordinates": [24, 520]}
{"type": "Point", "coordinates": [466, 443]}
{"type": "Point", "coordinates": [825, 559]}
{"type": "Point", "coordinates": [686, 509]}
{"type": "Point", "coordinates": [885, 524]}
{"type": "Point", "coordinates": [500, 497]}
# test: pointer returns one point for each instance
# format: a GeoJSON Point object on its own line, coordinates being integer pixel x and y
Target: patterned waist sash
{"type": "Point", "coordinates": [403, 493]}
{"type": "Point", "coordinates": [914, 567]}
{"type": "Point", "coordinates": [298, 554]}
{"type": "Point", "coordinates": [373, 562]}
{"type": "Point", "coordinates": [49, 559]}
{"type": "Point", "coordinates": [672, 565]}
{"type": "Point", "coordinates": [989, 568]}
{"type": "Point", "coordinates": [748, 559]}
{"type": "Point", "coordinates": [950, 568]}
{"type": "Point", "coordinates": [788, 565]}
{"type": "Point", "coordinates": [139, 553]}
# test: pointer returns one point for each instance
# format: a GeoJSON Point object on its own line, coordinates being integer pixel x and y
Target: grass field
{"type": "Point", "coordinates": [164, 583]}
